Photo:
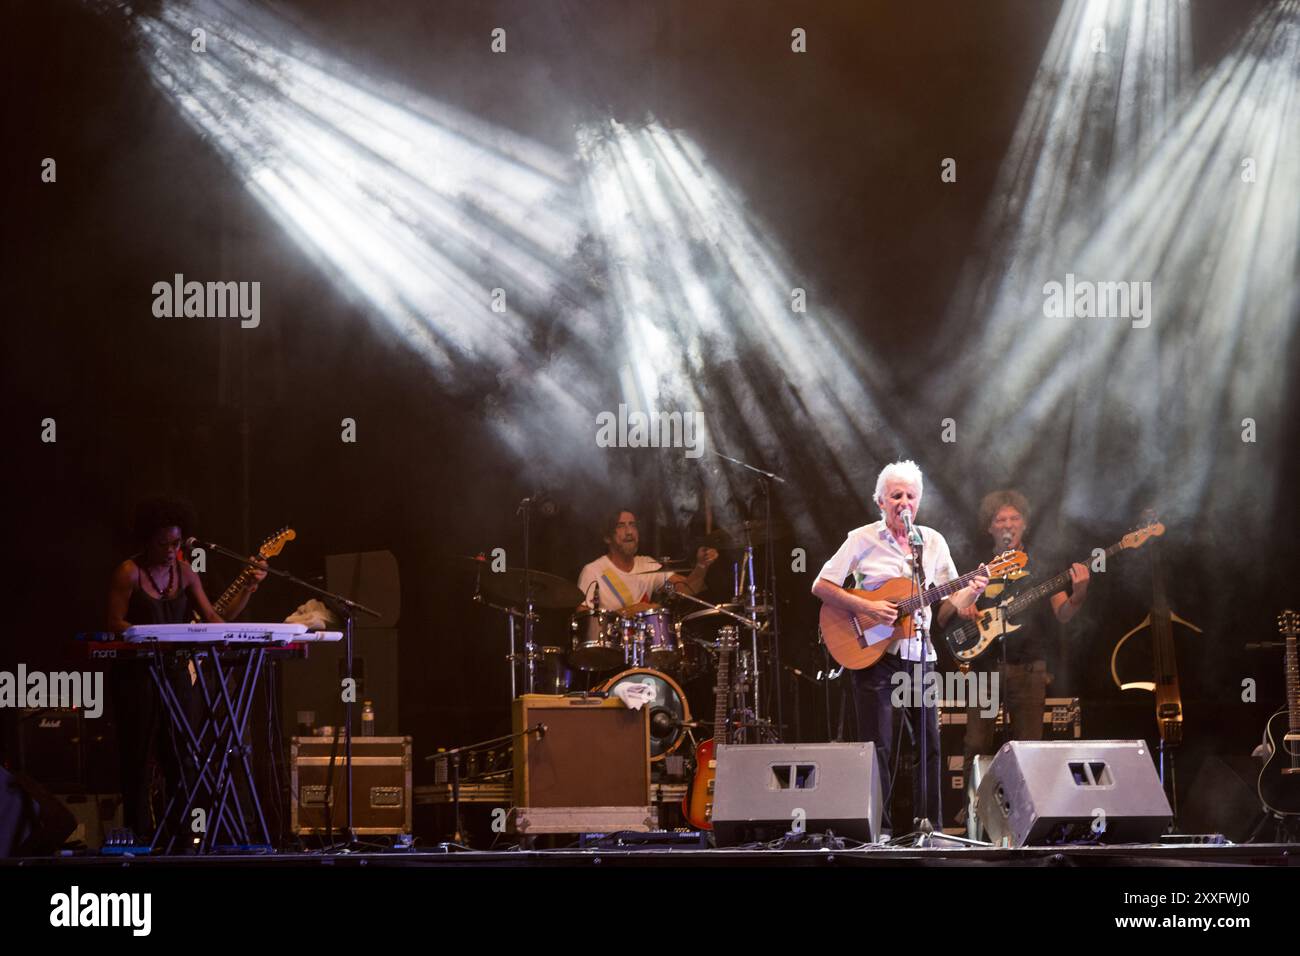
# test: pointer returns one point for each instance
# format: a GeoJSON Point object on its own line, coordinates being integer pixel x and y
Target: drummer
{"type": "Point", "coordinates": [622, 580]}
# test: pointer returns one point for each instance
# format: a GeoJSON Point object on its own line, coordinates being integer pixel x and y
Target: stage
{"type": "Point", "coordinates": [1273, 855]}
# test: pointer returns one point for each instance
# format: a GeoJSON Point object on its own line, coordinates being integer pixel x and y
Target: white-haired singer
{"type": "Point", "coordinates": [873, 554]}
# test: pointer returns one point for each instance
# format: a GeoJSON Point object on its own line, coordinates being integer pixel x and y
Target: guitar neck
{"type": "Point", "coordinates": [1293, 683]}
{"type": "Point", "coordinates": [222, 604]}
{"type": "Point", "coordinates": [1052, 585]}
{"type": "Point", "coordinates": [722, 696]}
{"type": "Point", "coordinates": [935, 594]}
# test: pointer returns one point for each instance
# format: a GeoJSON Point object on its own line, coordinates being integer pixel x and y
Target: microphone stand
{"type": "Point", "coordinates": [348, 608]}
{"type": "Point", "coordinates": [924, 833]}
{"type": "Point", "coordinates": [452, 758]}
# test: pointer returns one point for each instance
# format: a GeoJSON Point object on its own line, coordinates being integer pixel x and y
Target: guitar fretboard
{"type": "Point", "coordinates": [936, 594]}
{"type": "Point", "coordinates": [1293, 683]}
{"type": "Point", "coordinates": [1051, 586]}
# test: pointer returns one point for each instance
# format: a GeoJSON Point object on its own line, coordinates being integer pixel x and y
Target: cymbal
{"type": "Point", "coordinates": [736, 536]}
{"type": "Point", "coordinates": [548, 590]}
{"type": "Point", "coordinates": [704, 614]}
{"type": "Point", "coordinates": [668, 568]}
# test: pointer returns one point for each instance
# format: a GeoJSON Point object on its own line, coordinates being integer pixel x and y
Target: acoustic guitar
{"type": "Point", "coordinates": [856, 644]}
{"type": "Point", "coordinates": [1279, 780]}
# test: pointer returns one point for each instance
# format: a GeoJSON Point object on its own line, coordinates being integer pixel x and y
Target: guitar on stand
{"type": "Point", "coordinates": [697, 805]}
{"type": "Point", "coordinates": [1168, 698]}
{"type": "Point", "coordinates": [1279, 780]}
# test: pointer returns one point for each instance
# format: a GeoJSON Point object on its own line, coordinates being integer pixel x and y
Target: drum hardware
{"type": "Point", "coordinates": [767, 531]}
{"type": "Point", "coordinates": [506, 587]}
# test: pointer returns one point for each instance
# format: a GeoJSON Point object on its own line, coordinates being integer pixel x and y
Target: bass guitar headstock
{"type": "Point", "coordinates": [1288, 623]}
{"type": "Point", "coordinates": [276, 542]}
{"type": "Point", "coordinates": [1135, 539]}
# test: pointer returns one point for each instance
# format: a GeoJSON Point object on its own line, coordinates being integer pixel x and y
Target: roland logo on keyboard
{"type": "Point", "coordinates": [75, 908]}
{"type": "Point", "coordinates": [24, 688]}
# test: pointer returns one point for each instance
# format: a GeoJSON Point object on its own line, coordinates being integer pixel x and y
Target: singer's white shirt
{"type": "Point", "coordinates": [873, 556]}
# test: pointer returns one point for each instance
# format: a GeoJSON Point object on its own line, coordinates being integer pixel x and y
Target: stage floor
{"type": "Point", "coordinates": [1140, 855]}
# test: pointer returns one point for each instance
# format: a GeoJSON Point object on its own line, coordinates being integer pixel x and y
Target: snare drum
{"type": "Point", "coordinates": [597, 640]}
{"type": "Point", "coordinates": [658, 638]}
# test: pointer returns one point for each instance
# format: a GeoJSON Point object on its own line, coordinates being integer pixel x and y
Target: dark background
{"type": "Point", "coordinates": [838, 148]}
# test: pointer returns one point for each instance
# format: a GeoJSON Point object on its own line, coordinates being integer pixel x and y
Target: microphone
{"type": "Point", "coordinates": [542, 500]}
{"type": "Point", "coordinates": [1006, 538]}
{"type": "Point", "coordinates": [913, 535]}
{"type": "Point", "coordinates": [193, 542]}
{"type": "Point", "coordinates": [662, 723]}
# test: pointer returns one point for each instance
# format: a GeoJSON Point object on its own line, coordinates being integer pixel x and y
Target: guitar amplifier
{"type": "Point", "coordinates": [381, 785]}
{"type": "Point", "coordinates": [589, 772]}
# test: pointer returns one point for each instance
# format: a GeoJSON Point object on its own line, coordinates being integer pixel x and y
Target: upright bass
{"type": "Point", "coordinates": [1160, 621]}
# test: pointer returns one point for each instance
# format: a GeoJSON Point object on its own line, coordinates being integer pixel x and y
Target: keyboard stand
{"type": "Point", "coordinates": [211, 768]}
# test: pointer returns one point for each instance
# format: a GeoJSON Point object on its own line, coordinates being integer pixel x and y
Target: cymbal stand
{"type": "Point", "coordinates": [511, 613]}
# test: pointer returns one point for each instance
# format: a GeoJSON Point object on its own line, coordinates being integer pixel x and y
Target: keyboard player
{"type": "Point", "coordinates": [155, 587]}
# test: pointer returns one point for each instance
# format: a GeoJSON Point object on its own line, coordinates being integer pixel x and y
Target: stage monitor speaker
{"type": "Point", "coordinates": [1039, 793]}
{"type": "Point", "coordinates": [589, 772]}
{"type": "Point", "coordinates": [763, 791]}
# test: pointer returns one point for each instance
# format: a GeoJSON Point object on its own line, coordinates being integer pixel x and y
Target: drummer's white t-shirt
{"type": "Point", "coordinates": [619, 589]}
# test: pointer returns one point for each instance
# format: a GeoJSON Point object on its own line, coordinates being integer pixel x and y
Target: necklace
{"type": "Point", "coordinates": [171, 579]}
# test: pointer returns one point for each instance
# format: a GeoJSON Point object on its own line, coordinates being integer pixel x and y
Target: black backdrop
{"type": "Point", "coordinates": [246, 424]}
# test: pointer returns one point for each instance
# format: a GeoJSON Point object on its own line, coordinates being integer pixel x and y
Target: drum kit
{"type": "Point", "coordinates": [669, 642]}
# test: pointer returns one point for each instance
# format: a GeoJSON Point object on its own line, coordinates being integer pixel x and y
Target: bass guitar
{"type": "Point", "coordinates": [972, 638]}
{"type": "Point", "coordinates": [269, 549]}
{"type": "Point", "coordinates": [856, 644]}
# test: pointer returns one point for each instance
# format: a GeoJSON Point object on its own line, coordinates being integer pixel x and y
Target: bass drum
{"type": "Point", "coordinates": [668, 712]}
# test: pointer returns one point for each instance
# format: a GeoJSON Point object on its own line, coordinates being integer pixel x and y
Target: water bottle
{"type": "Point", "coordinates": [368, 719]}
